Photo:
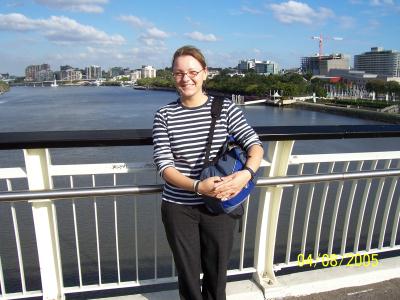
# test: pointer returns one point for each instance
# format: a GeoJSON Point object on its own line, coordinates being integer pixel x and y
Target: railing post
{"type": "Point", "coordinates": [267, 219]}
{"type": "Point", "coordinates": [37, 163]}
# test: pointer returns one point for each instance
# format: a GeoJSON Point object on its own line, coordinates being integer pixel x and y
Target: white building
{"type": "Point", "coordinates": [265, 67]}
{"type": "Point", "coordinates": [135, 75]}
{"type": "Point", "coordinates": [71, 74]}
{"type": "Point", "coordinates": [148, 71]}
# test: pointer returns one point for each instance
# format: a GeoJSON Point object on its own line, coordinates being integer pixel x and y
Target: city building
{"type": "Point", "coordinates": [115, 71]}
{"type": "Point", "coordinates": [360, 77]}
{"type": "Point", "coordinates": [4, 76]}
{"type": "Point", "coordinates": [245, 65]}
{"type": "Point", "coordinates": [126, 71]}
{"type": "Point", "coordinates": [321, 65]}
{"type": "Point", "coordinates": [70, 74]}
{"type": "Point", "coordinates": [212, 72]}
{"type": "Point", "coordinates": [44, 75]}
{"type": "Point", "coordinates": [38, 72]}
{"type": "Point", "coordinates": [291, 70]}
{"type": "Point", "coordinates": [135, 75]}
{"type": "Point", "coordinates": [148, 71]}
{"type": "Point", "coordinates": [265, 67]}
{"type": "Point", "coordinates": [379, 61]}
{"type": "Point", "coordinates": [93, 72]}
{"type": "Point", "coordinates": [66, 67]}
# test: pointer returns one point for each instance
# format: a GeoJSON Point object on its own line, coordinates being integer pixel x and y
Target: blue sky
{"type": "Point", "coordinates": [131, 33]}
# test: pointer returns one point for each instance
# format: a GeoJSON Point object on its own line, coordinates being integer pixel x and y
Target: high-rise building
{"type": "Point", "coordinates": [379, 61]}
{"type": "Point", "coordinates": [38, 72]}
{"type": "Point", "coordinates": [115, 71]}
{"type": "Point", "coordinates": [321, 65]}
{"type": "Point", "coordinates": [93, 72]}
{"type": "Point", "coordinates": [259, 66]}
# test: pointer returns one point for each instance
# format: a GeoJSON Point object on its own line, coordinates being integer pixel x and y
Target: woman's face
{"type": "Point", "coordinates": [189, 75]}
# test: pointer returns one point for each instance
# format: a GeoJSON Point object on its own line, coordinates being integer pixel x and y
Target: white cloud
{"type": "Point", "coordinates": [87, 6]}
{"type": "Point", "coordinates": [381, 2]}
{"type": "Point", "coordinates": [16, 22]}
{"type": "Point", "coordinates": [154, 56]}
{"type": "Point", "coordinates": [198, 36]}
{"type": "Point", "coordinates": [135, 21]}
{"type": "Point", "coordinates": [293, 11]}
{"type": "Point", "coordinates": [250, 10]}
{"type": "Point", "coordinates": [150, 42]}
{"type": "Point", "coordinates": [151, 36]}
{"type": "Point", "coordinates": [156, 33]}
{"type": "Point", "coordinates": [58, 29]}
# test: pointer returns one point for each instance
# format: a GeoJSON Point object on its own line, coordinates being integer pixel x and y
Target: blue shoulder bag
{"type": "Point", "coordinates": [230, 159]}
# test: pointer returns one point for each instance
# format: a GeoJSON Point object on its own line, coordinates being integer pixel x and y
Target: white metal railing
{"type": "Point", "coordinates": [380, 194]}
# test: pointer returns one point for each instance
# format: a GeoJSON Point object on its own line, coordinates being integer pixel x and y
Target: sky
{"type": "Point", "coordinates": [132, 33]}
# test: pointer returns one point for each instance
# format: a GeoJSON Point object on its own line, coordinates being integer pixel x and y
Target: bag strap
{"type": "Point", "coordinates": [216, 108]}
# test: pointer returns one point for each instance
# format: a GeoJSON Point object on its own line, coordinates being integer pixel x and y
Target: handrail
{"type": "Point", "coordinates": [149, 189]}
{"type": "Point", "coordinates": [142, 137]}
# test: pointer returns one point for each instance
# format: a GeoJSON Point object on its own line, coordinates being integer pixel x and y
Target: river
{"type": "Point", "coordinates": [25, 109]}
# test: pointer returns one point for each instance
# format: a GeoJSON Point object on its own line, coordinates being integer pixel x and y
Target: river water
{"type": "Point", "coordinates": [26, 109]}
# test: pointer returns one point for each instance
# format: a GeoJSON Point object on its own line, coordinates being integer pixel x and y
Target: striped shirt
{"type": "Point", "coordinates": [180, 136]}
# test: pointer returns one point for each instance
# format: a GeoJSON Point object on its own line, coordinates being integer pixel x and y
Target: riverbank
{"type": "Point", "coordinates": [4, 87]}
{"type": "Point", "coordinates": [353, 112]}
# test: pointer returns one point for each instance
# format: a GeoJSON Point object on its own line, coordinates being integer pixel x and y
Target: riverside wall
{"type": "Point", "coordinates": [392, 118]}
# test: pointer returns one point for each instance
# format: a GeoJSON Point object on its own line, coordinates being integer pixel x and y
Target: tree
{"type": "Point", "coordinates": [308, 76]}
{"type": "Point", "coordinates": [377, 86]}
{"type": "Point", "coordinates": [393, 87]}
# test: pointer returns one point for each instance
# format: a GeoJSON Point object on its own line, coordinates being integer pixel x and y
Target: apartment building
{"type": "Point", "coordinates": [379, 61]}
{"type": "Point", "coordinates": [38, 73]}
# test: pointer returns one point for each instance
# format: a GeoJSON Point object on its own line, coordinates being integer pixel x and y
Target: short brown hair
{"type": "Point", "coordinates": [192, 51]}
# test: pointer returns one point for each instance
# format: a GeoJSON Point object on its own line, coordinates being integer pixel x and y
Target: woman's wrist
{"type": "Point", "coordinates": [196, 185]}
{"type": "Point", "coordinates": [250, 170]}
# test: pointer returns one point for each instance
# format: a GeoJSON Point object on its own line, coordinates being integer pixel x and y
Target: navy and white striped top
{"type": "Point", "coordinates": [180, 136]}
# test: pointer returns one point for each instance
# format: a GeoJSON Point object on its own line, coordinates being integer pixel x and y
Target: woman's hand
{"type": "Point", "coordinates": [230, 186]}
{"type": "Point", "coordinates": [207, 186]}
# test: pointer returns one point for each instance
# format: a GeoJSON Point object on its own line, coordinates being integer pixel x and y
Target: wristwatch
{"type": "Point", "coordinates": [252, 173]}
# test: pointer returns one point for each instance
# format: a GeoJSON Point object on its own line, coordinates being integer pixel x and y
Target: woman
{"type": "Point", "coordinates": [199, 240]}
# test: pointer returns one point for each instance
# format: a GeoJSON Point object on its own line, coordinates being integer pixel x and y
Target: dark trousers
{"type": "Point", "coordinates": [199, 242]}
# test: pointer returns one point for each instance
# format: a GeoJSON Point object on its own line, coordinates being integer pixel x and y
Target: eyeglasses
{"type": "Point", "coordinates": [191, 74]}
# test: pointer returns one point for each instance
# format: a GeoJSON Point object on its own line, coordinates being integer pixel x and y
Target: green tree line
{"type": "Point", "coordinates": [287, 85]}
{"type": "Point", "coordinates": [383, 87]}
{"type": "Point", "coordinates": [251, 84]}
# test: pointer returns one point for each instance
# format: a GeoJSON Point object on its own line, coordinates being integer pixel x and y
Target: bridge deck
{"type": "Point", "coordinates": [344, 282]}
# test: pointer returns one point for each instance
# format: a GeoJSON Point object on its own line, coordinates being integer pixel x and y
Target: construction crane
{"type": "Point", "coordinates": [321, 40]}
